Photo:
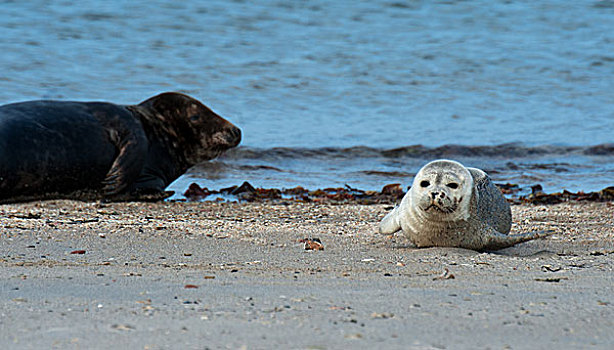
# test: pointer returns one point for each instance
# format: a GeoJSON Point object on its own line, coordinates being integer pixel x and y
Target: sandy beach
{"type": "Point", "coordinates": [79, 275]}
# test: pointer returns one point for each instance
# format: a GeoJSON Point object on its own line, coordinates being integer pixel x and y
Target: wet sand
{"type": "Point", "coordinates": [222, 275]}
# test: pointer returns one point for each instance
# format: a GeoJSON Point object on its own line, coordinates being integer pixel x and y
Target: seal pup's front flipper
{"type": "Point", "coordinates": [494, 240]}
{"type": "Point", "coordinates": [128, 164]}
{"type": "Point", "coordinates": [390, 223]}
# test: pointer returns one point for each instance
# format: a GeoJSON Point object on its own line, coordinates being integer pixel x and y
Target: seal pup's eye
{"type": "Point", "coordinates": [424, 183]}
{"type": "Point", "coordinates": [194, 117]}
{"type": "Point", "coordinates": [452, 185]}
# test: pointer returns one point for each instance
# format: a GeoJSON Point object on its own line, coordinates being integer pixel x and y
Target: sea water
{"type": "Point", "coordinates": [329, 93]}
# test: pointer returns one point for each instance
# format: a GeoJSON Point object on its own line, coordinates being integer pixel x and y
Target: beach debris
{"type": "Point", "coordinates": [551, 279]}
{"type": "Point", "coordinates": [147, 308]}
{"type": "Point", "coordinates": [445, 275]}
{"type": "Point", "coordinates": [537, 189]}
{"type": "Point", "coordinates": [312, 244]}
{"type": "Point", "coordinates": [508, 188]}
{"type": "Point", "coordinates": [245, 187]}
{"type": "Point", "coordinates": [80, 251]}
{"type": "Point", "coordinates": [82, 221]}
{"type": "Point", "coordinates": [190, 286]}
{"type": "Point", "coordinates": [247, 192]}
{"type": "Point", "coordinates": [383, 315]}
{"type": "Point", "coordinates": [550, 268]}
{"type": "Point", "coordinates": [389, 194]}
{"type": "Point", "coordinates": [601, 252]}
{"type": "Point", "coordinates": [25, 216]}
{"type": "Point", "coordinates": [537, 196]}
{"type": "Point", "coordinates": [132, 274]}
{"type": "Point", "coordinates": [393, 190]}
{"type": "Point", "coordinates": [343, 308]}
{"type": "Point", "coordinates": [196, 193]}
{"type": "Point", "coordinates": [353, 335]}
{"type": "Point", "coordinates": [123, 327]}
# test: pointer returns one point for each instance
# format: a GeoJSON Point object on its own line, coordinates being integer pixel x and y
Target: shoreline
{"type": "Point", "coordinates": [389, 194]}
{"type": "Point", "coordinates": [236, 275]}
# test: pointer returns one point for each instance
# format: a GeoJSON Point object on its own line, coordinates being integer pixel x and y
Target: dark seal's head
{"type": "Point", "coordinates": [193, 131]}
{"type": "Point", "coordinates": [442, 190]}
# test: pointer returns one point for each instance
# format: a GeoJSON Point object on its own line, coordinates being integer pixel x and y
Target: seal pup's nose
{"type": "Point", "coordinates": [434, 195]}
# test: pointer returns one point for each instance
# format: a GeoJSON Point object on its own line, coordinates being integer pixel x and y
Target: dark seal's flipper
{"type": "Point", "coordinates": [128, 164]}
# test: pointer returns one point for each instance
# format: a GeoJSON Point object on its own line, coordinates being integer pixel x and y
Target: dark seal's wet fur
{"type": "Point", "coordinates": [90, 150]}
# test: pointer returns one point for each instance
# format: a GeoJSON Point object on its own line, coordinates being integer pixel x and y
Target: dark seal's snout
{"type": "Point", "coordinates": [234, 136]}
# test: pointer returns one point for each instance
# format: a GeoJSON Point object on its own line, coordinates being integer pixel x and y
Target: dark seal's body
{"type": "Point", "coordinates": [86, 150]}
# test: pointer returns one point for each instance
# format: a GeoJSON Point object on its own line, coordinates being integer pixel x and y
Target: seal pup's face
{"type": "Point", "coordinates": [193, 129]}
{"type": "Point", "coordinates": [442, 190]}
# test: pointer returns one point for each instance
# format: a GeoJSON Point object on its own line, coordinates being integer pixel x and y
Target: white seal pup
{"type": "Point", "coordinates": [449, 205]}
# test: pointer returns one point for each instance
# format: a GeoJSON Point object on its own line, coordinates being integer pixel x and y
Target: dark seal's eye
{"type": "Point", "coordinates": [452, 185]}
{"type": "Point", "coordinates": [194, 117]}
{"type": "Point", "coordinates": [424, 183]}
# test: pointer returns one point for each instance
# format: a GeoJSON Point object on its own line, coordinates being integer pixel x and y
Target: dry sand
{"type": "Point", "coordinates": [222, 275]}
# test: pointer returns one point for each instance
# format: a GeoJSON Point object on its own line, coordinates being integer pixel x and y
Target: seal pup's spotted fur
{"type": "Point", "coordinates": [449, 205]}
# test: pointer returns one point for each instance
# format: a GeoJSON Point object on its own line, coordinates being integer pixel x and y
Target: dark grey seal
{"type": "Point", "coordinates": [100, 150]}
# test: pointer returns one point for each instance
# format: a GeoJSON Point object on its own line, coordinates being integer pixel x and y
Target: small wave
{"type": "Point", "coordinates": [604, 4]}
{"type": "Point", "coordinates": [400, 174]}
{"type": "Point", "coordinates": [259, 167]}
{"type": "Point", "coordinates": [606, 149]}
{"type": "Point", "coordinates": [418, 151]}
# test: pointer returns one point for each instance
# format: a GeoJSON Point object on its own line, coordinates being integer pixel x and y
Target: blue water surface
{"type": "Point", "coordinates": [313, 74]}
